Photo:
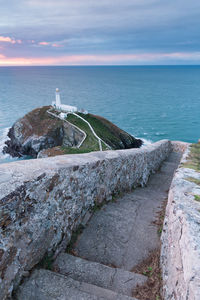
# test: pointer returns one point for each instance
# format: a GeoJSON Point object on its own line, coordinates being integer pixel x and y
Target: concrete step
{"type": "Point", "coordinates": [47, 285]}
{"type": "Point", "coordinates": [114, 279]}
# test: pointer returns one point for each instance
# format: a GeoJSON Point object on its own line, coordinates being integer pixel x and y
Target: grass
{"type": "Point", "coordinates": [74, 238]}
{"type": "Point", "coordinates": [193, 161]}
{"type": "Point", "coordinates": [90, 144]}
{"type": "Point", "coordinates": [107, 131]}
{"type": "Point", "coordinates": [40, 122]}
{"type": "Point", "coordinates": [67, 150]}
{"type": "Point", "coordinates": [116, 194]}
{"type": "Point", "coordinates": [148, 272]}
{"type": "Point", "coordinates": [197, 198]}
{"type": "Point", "coordinates": [46, 262]}
{"type": "Point", "coordinates": [192, 179]}
{"type": "Point", "coordinates": [160, 231]}
{"type": "Point", "coordinates": [103, 128]}
{"type": "Point", "coordinates": [150, 268]}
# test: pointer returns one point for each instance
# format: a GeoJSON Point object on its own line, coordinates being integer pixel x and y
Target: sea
{"type": "Point", "coordinates": [149, 102]}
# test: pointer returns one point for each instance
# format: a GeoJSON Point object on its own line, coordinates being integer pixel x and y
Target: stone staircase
{"type": "Point", "coordinates": [116, 239]}
{"type": "Point", "coordinates": [45, 284]}
{"type": "Point", "coordinates": [114, 279]}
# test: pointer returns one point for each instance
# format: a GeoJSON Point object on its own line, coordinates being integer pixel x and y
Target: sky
{"type": "Point", "coordinates": [99, 32]}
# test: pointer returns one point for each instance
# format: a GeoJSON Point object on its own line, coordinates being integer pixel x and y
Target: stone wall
{"type": "Point", "coordinates": [42, 201]}
{"type": "Point", "coordinates": [180, 253]}
{"type": "Point", "coordinates": [178, 146]}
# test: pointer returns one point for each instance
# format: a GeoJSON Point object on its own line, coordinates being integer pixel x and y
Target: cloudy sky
{"type": "Point", "coordinates": [99, 32]}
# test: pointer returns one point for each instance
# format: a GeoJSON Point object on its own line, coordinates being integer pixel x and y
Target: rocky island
{"type": "Point", "coordinates": [46, 132]}
{"type": "Point", "coordinates": [94, 226]}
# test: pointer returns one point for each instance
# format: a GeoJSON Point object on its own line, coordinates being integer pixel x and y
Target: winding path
{"type": "Point", "coordinates": [94, 133]}
{"type": "Point", "coordinates": [100, 141]}
{"type": "Point", "coordinates": [84, 134]}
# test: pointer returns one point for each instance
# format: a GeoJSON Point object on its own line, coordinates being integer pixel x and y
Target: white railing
{"type": "Point", "coordinates": [100, 141]}
{"type": "Point", "coordinates": [84, 134]}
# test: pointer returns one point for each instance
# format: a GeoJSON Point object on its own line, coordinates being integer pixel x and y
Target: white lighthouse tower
{"type": "Point", "coordinates": [58, 102]}
{"type": "Point", "coordinates": [62, 107]}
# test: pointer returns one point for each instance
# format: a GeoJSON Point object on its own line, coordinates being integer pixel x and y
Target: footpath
{"type": "Point", "coordinates": [117, 239]}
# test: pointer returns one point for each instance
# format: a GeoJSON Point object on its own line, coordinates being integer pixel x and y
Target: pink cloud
{"type": "Point", "coordinates": [56, 45]}
{"type": "Point", "coordinates": [50, 44]}
{"type": "Point", "coordinates": [43, 43]}
{"type": "Point", "coordinates": [7, 39]}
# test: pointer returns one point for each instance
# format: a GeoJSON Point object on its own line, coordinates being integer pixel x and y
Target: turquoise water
{"type": "Point", "coordinates": [150, 102]}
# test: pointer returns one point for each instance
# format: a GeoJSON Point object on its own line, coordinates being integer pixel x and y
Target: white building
{"type": "Point", "coordinates": [64, 108]}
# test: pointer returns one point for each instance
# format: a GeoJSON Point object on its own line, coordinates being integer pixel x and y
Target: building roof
{"type": "Point", "coordinates": [68, 107]}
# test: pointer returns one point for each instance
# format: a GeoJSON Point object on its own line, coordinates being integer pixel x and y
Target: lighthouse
{"type": "Point", "coordinates": [58, 102]}
{"type": "Point", "coordinates": [62, 107]}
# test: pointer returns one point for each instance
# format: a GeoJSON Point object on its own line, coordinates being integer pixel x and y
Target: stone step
{"type": "Point", "coordinates": [124, 233]}
{"type": "Point", "coordinates": [114, 279]}
{"type": "Point", "coordinates": [47, 285]}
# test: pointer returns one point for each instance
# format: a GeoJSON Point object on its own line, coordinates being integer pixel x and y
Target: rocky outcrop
{"type": "Point", "coordinates": [180, 255]}
{"type": "Point", "coordinates": [39, 130]}
{"type": "Point", "coordinates": [34, 132]}
{"type": "Point", "coordinates": [43, 201]}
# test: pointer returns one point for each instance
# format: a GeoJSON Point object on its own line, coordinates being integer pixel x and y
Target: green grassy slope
{"type": "Point", "coordinates": [110, 133]}
{"type": "Point", "coordinates": [90, 144]}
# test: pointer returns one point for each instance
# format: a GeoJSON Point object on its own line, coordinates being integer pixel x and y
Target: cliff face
{"type": "Point", "coordinates": [38, 131]}
{"type": "Point", "coordinates": [33, 132]}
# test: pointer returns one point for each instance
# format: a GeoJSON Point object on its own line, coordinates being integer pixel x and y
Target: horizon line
{"type": "Point", "coordinates": [115, 65]}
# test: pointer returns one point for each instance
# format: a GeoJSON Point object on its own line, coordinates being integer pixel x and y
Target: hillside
{"type": "Point", "coordinates": [40, 134]}
{"type": "Point", "coordinates": [115, 137]}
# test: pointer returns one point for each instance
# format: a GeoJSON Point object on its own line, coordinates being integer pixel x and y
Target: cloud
{"type": "Point", "coordinates": [7, 39]}
{"type": "Point", "coordinates": [56, 45]}
{"type": "Point", "coordinates": [43, 43]}
{"type": "Point", "coordinates": [52, 44]}
{"type": "Point", "coordinates": [101, 28]}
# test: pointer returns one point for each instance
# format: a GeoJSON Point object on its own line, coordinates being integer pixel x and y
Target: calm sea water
{"type": "Point", "coordinates": [150, 102]}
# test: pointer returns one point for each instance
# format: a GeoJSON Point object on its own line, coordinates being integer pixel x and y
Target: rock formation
{"type": "Point", "coordinates": [38, 131]}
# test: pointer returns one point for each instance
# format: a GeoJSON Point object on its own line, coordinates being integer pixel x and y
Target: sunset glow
{"type": "Point", "coordinates": [122, 59]}
{"type": "Point", "coordinates": [107, 32]}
